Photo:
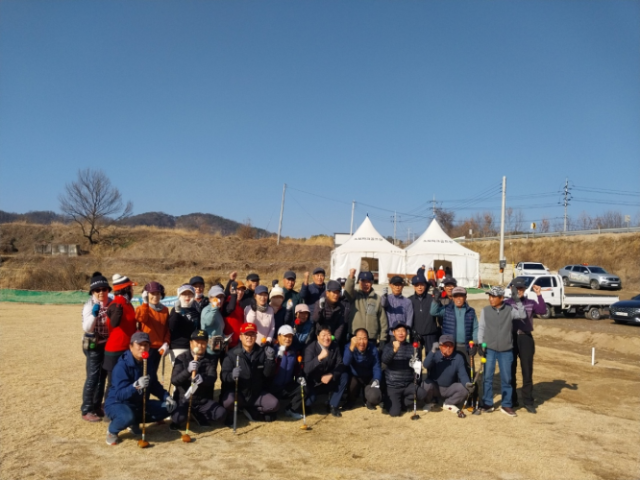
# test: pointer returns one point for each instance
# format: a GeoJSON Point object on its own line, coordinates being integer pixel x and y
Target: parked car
{"type": "Point", "coordinates": [531, 268]}
{"type": "Point", "coordinates": [589, 275]}
{"type": "Point", "coordinates": [591, 305]}
{"type": "Point", "coordinates": [626, 311]}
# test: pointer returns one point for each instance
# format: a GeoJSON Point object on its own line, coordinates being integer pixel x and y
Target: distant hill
{"type": "Point", "coordinates": [192, 221]}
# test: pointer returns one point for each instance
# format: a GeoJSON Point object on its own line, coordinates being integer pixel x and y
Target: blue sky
{"type": "Point", "coordinates": [211, 106]}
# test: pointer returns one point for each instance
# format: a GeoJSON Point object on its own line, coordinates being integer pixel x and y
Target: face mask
{"type": "Point", "coordinates": [184, 302]}
{"type": "Point", "coordinates": [199, 295]}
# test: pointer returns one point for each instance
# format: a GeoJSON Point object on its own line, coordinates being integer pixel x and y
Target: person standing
{"type": "Point", "coordinates": [233, 313]}
{"type": "Point", "coordinates": [311, 293]}
{"type": "Point", "coordinates": [441, 274]}
{"type": "Point", "coordinates": [495, 329]}
{"type": "Point", "coordinates": [96, 333]}
{"type": "Point", "coordinates": [399, 309]}
{"type": "Point", "coordinates": [276, 299]}
{"type": "Point", "coordinates": [424, 325]}
{"type": "Point", "coordinates": [252, 283]}
{"type": "Point", "coordinates": [523, 345]}
{"type": "Point", "coordinates": [211, 320]}
{"type": "Point", "coordinates": [365, 309]}
{"type": "Point", "coordinates": [289, 283]}
{"type": "Point", "coordinates": [262, 315]}
{"type": "Point", "coordinates": [121, 321]}
{"type": "Point", "coordinates": [183, 321]}
{"type": "Point", "coordinates": [330, 312]}
{"type": "Point", "coordinates": [153, 318]}
{"type": "Point", "coordinates": [200, 301]}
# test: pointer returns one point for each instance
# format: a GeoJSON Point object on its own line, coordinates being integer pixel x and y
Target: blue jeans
{"type": "Point", "coordinates": [124, 415]}
{"type": "Point", "coordinates": [505, 359]}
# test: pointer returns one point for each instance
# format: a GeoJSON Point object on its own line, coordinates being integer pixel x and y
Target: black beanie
{"type": "Point", "coordinates": [98, 281]}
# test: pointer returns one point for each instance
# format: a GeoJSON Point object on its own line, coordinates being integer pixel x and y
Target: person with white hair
{"type": "Point", "coordinates": [183, 321]}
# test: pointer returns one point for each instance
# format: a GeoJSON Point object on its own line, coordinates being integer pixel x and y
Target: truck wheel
{"type": "Point", "coordinates": [593, 313]}
{"type": "Point", "coordinates": [570, 314]}
{"type": "Point", "coordinates": [565, 281]}
{"type": "Point", "coordinates": [549, 313]}
{"type": "Point", "coordinates": [595, 285]}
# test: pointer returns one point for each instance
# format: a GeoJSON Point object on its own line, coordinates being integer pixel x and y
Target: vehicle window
{"type": "Point", "coordinates": [543, 282]}
{"type": "Point", "coordinates": [568, 267]}
{"type": "Point", "coordinates": [597, 270]}
{"type": "Point", "coordinates": [519, 265]}
{"type": "Point", "coordinates": [554, 281]}
{"type": "Point", "coordinates": [584, 270]}
{"type": "Point", "coordinates": [533, 266]}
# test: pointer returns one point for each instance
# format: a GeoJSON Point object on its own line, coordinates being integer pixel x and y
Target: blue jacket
{"type": "Point", "coordinates": [446, 371]}
{"type": "Point", "coordinates": [124, 374]}
{"type": "Point", "coordinates": [449, 322]}
{"type": "Point", "coordinates": [399, 310]}
{"type": "Point", "coordinates": [363, 365]}
{"type": "Point", "coordinates": [311, 293]}
{"type": "Point", "coordinates": [287, 367]}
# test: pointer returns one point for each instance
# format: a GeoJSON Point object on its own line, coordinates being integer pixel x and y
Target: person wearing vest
{"type": "Point", "coordinates": [494, 329]}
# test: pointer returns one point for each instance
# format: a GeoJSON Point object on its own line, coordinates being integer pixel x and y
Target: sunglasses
{"type": "Point", "coordinates": [101, 290]}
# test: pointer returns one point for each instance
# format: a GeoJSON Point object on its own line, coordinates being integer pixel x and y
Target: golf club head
{"type": "Point", "coordinates": [143, 443]}
{"type": "Point", "coordinates": [305, 427]}
{"type": "Point", "coordinates": [186, 438]}
{"type": "Point", "coordinates": [415, 417]}
{"type": "Point", "coordinates": [461, 414]}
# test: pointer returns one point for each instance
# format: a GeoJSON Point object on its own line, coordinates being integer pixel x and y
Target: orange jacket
{"type": "Point", "coordinates": [154, 323]}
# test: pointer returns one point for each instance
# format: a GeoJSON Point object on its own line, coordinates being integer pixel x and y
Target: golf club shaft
{"type": "Point", "coordinates": [144, 399]}
{"type": "Point", "coordinates": [235, 400]}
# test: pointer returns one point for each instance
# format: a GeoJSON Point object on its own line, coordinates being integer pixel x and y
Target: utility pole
{"type": "Point", "coordinates": [284, 189]}
{"type": "Point", "coordinates": [395, 224]}
{"type": "Point", "coordinates": [353, 209]}
{"type": "Point", "coordinates": [408, 234]}
{"type": "Point", "coordinates": [502, 260]}
{"type": "Point", "coordinates": [433, 206]}
{"type": "Point", "coordinates": [567, 197]}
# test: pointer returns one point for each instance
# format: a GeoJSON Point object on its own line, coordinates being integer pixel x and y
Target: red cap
{"type": "Point", "coordinates": [145, 355]}
{"type": "Point", "coordinates": [248, 327]}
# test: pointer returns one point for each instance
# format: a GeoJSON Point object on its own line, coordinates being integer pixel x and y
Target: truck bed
{"type": "Point", "coordinates": [589, 299]}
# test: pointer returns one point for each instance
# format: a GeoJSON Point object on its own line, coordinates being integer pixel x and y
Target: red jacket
{"type": "Point", "coordinates": [233, 322]}
{"type": "Point", "coordinates": [120, 335]}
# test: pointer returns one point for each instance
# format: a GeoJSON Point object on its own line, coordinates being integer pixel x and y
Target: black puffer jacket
{"type": "Point", "coordinates": [399, 373]}
{"type": "Point", "coordinates": [255, 369]}
{"type": "Point", "coordinates": [181, 377]}
{"type": "Point", "coordinates": [423, 322]}
{"type": "Point", "coordinates": [333, 316]}
{"type": "Point", "coordinates": [182, 325]}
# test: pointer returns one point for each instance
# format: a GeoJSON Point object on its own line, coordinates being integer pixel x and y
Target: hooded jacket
{"type": "Point", "coordinates": [366, 312]}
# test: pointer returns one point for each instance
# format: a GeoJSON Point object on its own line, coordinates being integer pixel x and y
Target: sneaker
{"type": "Point", "coordinates": [530, 408]}
{"type": "Point", "coordinates": [450, 408]}
{"type": "Point", "coordinates": [485, 409]}
{"type": "Point", "coordinates": [174, 427]}
{"type": "Point", "coordinates": [112, 439]}
{"type": "Point", "coordinates": [427, 407]}
{"type": "Point", "coordinates": [247, 414]}
{"type": "Point", "coordinates": [335, 412]}
{"type": "Point", "coordinates": [91, 417]}
{"type": "Point", "coordinates": [509, 411]}
{"type": "Point", "coordinates": [295, 415]}
{"type": "Point", "coordinates": [135, 429]}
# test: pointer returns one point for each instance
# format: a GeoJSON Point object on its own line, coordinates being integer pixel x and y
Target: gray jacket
{"type": "Point", "coordinates": [495, 326]}
{"type": "Point", "coordinates": [366, 312]}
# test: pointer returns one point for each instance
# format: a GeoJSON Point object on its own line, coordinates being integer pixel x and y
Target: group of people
{"type": "Point", "coordinates": [279, 350]}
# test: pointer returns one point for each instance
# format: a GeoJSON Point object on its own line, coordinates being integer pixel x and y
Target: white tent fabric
{"type": "Point", "coordinates": [434, 244]}
{"type": "Point", "coordinates": [366, 242]}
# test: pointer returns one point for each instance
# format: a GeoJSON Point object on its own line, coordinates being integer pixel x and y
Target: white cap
{"type": "Point", "coordinates": [186, 288]}
{"type": "Point", "coordinates": [285, 330]}
{"type": "Point", "coordinates": [215, 291]}
{"type": "Point", "coordinates": [276, 291]}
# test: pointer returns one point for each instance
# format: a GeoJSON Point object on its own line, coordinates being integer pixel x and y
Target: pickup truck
{"type": "Point", "coordinates": [569, 304]}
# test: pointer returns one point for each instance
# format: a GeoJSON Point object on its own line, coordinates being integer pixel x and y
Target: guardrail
{"type": "Point", "coordinates": [554, 234]}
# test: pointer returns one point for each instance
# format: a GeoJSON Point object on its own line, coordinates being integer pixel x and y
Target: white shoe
{"type": "Point", "coordinates": [290, 413]}
{"type": "Point", "coordinates": [450, 408]}
{"type": "Point", "coordinates": [428, 407]}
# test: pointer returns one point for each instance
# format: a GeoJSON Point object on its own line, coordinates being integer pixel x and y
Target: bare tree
{"type": "Point", "coordinates": [246, 230]}
{"type": "Point", "coordinates": [518, 221]}
{"type": "Point", "coordinates": [445, 219]}
{"type": "Point", "coordinates": [508, 220]}
{"type": "Point", "coordinates": [544, 225]}
{"type": "Point", "coordinates": [92, 202]}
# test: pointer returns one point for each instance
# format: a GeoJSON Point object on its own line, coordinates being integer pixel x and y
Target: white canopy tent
{"type": "Point", "coordinates": [434, 247]}
{"type": "Point", "coordinates": [366, 245]}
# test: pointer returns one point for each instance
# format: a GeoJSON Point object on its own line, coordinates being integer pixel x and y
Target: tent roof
{"type": "Point", "coordinates": [367, 239]}
{"type": "Point", "coordinates": [435, 241]}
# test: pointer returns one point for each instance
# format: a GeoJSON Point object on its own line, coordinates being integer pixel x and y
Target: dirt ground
{"type": "Point", "coordinates": [587, 426]}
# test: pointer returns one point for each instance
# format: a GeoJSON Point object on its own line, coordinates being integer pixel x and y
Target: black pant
{"type": "Point", "coordinates": [208, 410]}
{"type": "Point", "coordinates": [464, 351]}
{"type": "Point", "coordinates": [524, 348]}
{"type": "Point", "coordinates": [292, 393]}
{"type": "Point", "coordinates": [373, 396]}
{"type": "Point", "coordinates": [397, 397]}
{"type": "Point", "coordinates": [93, 392]}
{"type": "Point", "coordinates": [428, 341]}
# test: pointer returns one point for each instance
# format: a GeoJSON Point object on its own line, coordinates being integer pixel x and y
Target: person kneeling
{"type": "Point", "coordinates": [285, 384]}
{"type": "Point", "coordinates": [324, 370]}
{"type": "Point", "coordinates": [124, 401]}
{"type": "Point", "coordinates": [402, 374]}
{"type": "Point", "coordinates": [255, 365]}
{"type": "Point", "coordinates": [447, 376]}
{"type": "Point", "coordinates": [194, 374]}
{"type": "Point", "coordinates": [363, 364]}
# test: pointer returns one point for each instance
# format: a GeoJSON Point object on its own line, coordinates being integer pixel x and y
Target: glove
{"type": "Point", "coordinates": [375, 384]}
{"type": "Point", "coordinates": [302, 381]}
{"type": "Point", "coordinates": [274, 283]}
{"type": "Point", "coordinates": [193, 366]}
{"type": "Point", "coordinates": [470, 387]}
{"type": "Point", "coordinates": [385, 291]}
{"type": "Point", "coordinates": [176, 306]}
{"type": "Point", "coordinates": [170, 404]}
{"type": "Point", "coordinates": [254, 305]}
{"type": "Point", "coordinates": [142, 382]}
{"type": "Point", "coordinates": [233, 288]}
{"type": "Point", "coordinates": [281, 350]}
{"type": "Point", "coordinates": [270, 353]}
{"type": "Point", "coordinates": [437, 296]}
{"type": "Point", "coordinates": [235, 373]}
{"type": "Point", "coordinates": [322, 302]}
{"type": "Point", "coordinates": [114, 312]}
{"type": "Point", "coordinates": [289, 304]}
{"type": "Point", "coordinates": [473, 350]}
{"type": "Point", "coordinates": [95, 311]}
{"type": "Point", "coordinates": [514, 293]}
{"type": "Point", "coordinates": [164, 349]}
{"type": "Point", "coordinates": [197, 379]}
{"type": "Point", "coordinates": [434, 347]}
{"type": "Point", "coordinates": [145, 297]}
{"type": "Point", "coordinates": [417, 366]}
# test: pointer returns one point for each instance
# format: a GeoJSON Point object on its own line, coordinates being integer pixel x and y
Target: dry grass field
{"type": "Point", "coordinates": [587, 426]}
